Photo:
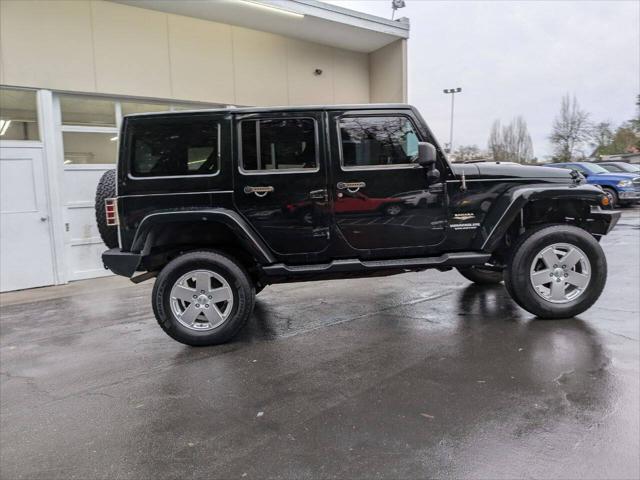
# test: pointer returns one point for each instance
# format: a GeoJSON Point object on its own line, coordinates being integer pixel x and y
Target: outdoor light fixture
{"type": "Point", "coordinates": [271, 8]}
{"type": "Point", "coordinates": [4, 125]}
{"type": "Point", "coordinates": [113, 139]}
{"type": "Point", "coordinates": [395, 5]}
{"type": "Point", "coordinates": [453, 92]}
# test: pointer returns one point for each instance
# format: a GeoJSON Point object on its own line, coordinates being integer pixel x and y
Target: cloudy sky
{"type": "Point", "coordinates": [518, 58]}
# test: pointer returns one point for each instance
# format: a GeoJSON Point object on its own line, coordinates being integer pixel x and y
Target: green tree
{"type": "Point", "coordinates": [635, 122]}
{"type": "Point", "coordinates": [602, 135]}
{"type": "Point", "coordinates": [624, 141]}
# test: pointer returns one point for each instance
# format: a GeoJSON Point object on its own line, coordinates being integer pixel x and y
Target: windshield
{"type": "Point", "coordinates": [625, 167]}
{"type": "Point", "coordinates": [594, 168]}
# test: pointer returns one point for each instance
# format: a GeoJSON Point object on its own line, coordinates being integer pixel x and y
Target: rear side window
{"type": "Point", "coordinates": [377, 141]}
{"type": "Point", "coordinates": [278, 144]}
{"type": "Point", "coordinates": [162, 147]}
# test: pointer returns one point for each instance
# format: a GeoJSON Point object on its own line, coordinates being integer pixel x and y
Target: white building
{"type": "Point", "coordinates": [69, 71]}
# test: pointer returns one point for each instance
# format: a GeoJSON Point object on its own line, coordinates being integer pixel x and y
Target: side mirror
{"type": "Point", "coordinates": [426, 154]}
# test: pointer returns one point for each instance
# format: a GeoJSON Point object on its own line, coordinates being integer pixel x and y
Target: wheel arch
{"type": "Point", "coordinates": [196, 229]}
{"type": "Point", "coordinates": [533, 205]}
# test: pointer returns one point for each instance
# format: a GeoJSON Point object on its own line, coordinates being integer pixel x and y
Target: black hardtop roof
{"type": "Point", "coordinates": [299, 108]}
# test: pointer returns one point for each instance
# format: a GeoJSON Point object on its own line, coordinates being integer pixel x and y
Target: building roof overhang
{"type": "Point", "coordinates": [309, 20]}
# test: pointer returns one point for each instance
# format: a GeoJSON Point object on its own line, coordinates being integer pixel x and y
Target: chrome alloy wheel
{"type": "Point", "coordinates": [201, 300]}
{"type": "Point", "coordinates": [560, 273]}
{"type": "Point", "coordinates": [394, 210]}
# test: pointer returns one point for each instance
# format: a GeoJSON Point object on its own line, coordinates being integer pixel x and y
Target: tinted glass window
{"type": "Point", "coordinates": [378, 141]}
{"type": "Point", "coordinates": [278, 144]}
{"type": "Point", "coordinates": [174, 146]}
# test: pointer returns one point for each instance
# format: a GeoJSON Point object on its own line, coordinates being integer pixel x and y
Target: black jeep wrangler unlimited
{"type": "Point", "coordinates": [219, 204]}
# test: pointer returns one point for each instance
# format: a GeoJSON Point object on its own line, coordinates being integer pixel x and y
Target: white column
{"type": "Point", "coordinates": [49, 118]}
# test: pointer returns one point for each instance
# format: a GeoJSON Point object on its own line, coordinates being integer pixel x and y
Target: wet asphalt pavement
{"type": "Point", "coordinates": [412, 376]}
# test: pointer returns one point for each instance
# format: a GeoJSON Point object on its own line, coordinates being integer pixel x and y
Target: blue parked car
{"type": "Point", "coordinates": [621, 188]}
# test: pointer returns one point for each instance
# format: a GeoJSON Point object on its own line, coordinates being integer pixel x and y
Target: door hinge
{"type": "Point", "coordinates": [321, 232]}
{"type": "Point", "coordinates": [322, 194]}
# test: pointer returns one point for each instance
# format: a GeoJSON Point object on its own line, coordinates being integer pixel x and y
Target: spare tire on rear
{"type": "Point", "coordinates": [106, 189]}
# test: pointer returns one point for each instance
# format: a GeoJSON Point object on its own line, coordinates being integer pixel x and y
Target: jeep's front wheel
{"type": "Point", "coordinates": [203, 298]}
{"type": "Point", "coordinates": [557, 271]}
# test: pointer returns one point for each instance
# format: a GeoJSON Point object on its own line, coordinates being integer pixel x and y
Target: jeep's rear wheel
{"type": "Point", "coordinates": [203, 298]}
{"type": "Point", "coordinates": [106, 189]}
{"type": "Point", "coordinates": [556, 271]}
{"type": "Point", "coordinates": [481, 276]}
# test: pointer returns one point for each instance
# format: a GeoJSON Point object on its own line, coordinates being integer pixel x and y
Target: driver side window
{"type": "Point", "coordinates": [377, 141]}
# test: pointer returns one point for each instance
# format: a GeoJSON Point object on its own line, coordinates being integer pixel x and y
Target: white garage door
{"type": "Point", "coordinates": [84, 246]}
{"type": "Point", "coordinates": [26, 251]}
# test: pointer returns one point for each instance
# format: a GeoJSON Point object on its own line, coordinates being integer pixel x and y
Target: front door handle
{"type": "Point", "coordinates": [351, 187]}
{"type": "Point", "coordinates": [258, 191]}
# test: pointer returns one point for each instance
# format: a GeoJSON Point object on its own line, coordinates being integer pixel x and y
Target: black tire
{"type": "Point", "coordinates": [235, 275]}
{"type": "Point", "coordinates": [517, 277]}
{"type": "Point", "coordinates": [613, 196]}
{"type": "Point", "coordinates": [106, 189]}
{"type": "Point", "coordinates": [480, 275]}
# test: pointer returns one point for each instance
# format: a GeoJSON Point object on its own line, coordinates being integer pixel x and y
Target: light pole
{"type": "Point", "coordinates": [453, 92]}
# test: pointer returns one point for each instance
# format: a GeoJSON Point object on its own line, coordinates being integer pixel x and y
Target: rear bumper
{"type": "Point", "coordinates": [121, 263]}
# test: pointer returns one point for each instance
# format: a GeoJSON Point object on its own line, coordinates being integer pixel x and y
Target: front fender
{"type": "Point", "coordinates": [509, 205]}
{"type": "Point", "coordinates": [143, 241]}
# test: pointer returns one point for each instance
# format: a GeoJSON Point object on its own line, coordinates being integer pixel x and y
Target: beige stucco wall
{"type": "Point", "coordinates": [103, 47]}
{"type": "Point", "coordinates": [388, 73]}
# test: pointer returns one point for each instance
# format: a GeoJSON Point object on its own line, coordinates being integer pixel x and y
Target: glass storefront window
{"type": "Point", "coordinates": [80, 110]}
{"type": "Point", "coordinates": [18, 115]}
{"type": "Point", "coordinates": [82, 148]}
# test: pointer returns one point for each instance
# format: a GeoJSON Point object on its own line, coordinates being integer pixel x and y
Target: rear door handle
{"type": "Point", "coordinates": [258, 191]}
{"type": "Point", "coordinates": [352, 187]}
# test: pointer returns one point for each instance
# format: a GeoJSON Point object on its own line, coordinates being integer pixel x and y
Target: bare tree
{"type": "Point", "coordinates": [511, 143]}
{"type": "Point", "coordinates": [571, 129]}
{"type": "Point", "coordinates": [520, 144]}
{"type": "Point", "coordinates": [468, 152]}
{"type": "Point", "coordinates": [601, 136]}
{"type": "Point", "coordinates": [496, 143]}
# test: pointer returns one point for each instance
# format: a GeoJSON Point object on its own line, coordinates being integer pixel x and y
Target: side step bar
{"type": "Point", "coordinates": [356, 265]}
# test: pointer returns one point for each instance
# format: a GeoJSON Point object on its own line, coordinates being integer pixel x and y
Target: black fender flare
{"type": "Point", "coordinates": [249, 239]}
{"type": "Point", "coordinates": [510, 204]}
